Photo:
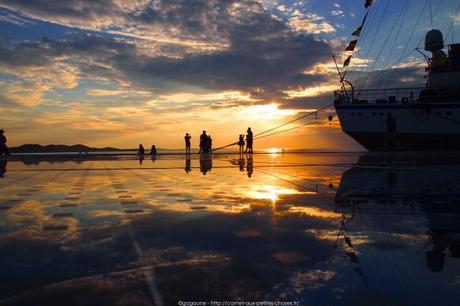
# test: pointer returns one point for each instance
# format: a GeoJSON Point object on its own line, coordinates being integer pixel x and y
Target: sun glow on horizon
{"type": "Point", "coordinates": [311, 91]}
{"type": "Point", "coordinates": [267, 112]}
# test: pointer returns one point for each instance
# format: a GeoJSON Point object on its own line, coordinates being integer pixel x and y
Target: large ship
{"type": "Point", "coordinates": [426, 118]}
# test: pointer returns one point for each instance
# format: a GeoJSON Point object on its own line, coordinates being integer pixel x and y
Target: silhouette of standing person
{"type": "Point", "coordinates": [203, 140]}
{"type": "Point", "coordinates": [3, 146]}
{"type": "Point", "coordinates": [249, 141]}
{"type": "Point", "coordinates": [153, 150]}
{"type": "Point", "coordinates": [241, 143]}
{"type": "Point", "coordinates": [187, 138]}
{"type": "Point", "coordinates": [390, 142]}
{"type": "Point", "coordinates": [141, 150]}
{"type": "Point", "coordinates": [209, 149]}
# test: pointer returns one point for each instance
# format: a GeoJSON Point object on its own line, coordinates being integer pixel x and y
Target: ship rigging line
{"type": "Point", "coordinates": [389, 36]}
{"type": "Point", "coordinates": [261, 134]}
{"type": "Point", "coordinates": [406, 9]}
{"type": "Point", "coordinates": [403, 55]}
{"type": "Point", "coordinates": [374, 37]}
{"type": "Point", "coordinates": [451, 27]}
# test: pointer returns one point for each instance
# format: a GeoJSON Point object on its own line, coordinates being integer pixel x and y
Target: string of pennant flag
{"type": "Point", "coordinates": [352, 45]}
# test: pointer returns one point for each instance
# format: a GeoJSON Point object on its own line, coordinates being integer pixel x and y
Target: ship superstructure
{"type": "Point", "coordinates": [424, 118]}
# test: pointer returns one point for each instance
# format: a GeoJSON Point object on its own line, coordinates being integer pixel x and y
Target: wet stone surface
{"type": "Point", "coordinates": [324, 229]}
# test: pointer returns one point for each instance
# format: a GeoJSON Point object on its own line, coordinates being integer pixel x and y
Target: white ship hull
{"type": "Point", "coordinates": [419, 126]}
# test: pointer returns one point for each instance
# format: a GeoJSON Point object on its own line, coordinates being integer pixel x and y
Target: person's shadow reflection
{"type": "Point", "coordinates": [188, 163]}
{"type": "Point", "coordinates": [250, 165]}
{"type": "Point", "coordinates": [241, 162]}
{"type": "Point", "coordinates": [3, 164]}
{"type": "Point", "coordinates": [141, 158]}
{"type": "Point", "coordinates": [205, 163]}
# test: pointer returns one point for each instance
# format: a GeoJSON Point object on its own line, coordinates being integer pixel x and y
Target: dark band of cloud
{"type": "Point", "coordinates": [264, 56]}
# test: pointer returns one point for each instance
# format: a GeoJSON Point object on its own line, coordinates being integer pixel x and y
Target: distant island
{"type": "Point", "coordinates": [36, 148]}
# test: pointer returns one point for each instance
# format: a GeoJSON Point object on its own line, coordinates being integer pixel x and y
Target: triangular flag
{"type": "Point", "coordinates": [351, 46]}
{"type": "Point", "coordinates": [357, 32]}
{"type": "Point", "coordinates": [347, 61]}
{"type": "Point", "coordinates": [368, 3]}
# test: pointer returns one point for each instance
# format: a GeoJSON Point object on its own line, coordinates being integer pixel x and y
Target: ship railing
{"type": "Point", "coordinates": [398, 95]}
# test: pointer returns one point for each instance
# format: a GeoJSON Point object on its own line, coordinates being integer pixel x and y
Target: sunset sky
{"type": "Point", "coordinates": [124, 72]}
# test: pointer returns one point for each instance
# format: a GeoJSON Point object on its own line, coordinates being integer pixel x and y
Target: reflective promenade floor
{"type": "Point", "coordinates": [324, 229]}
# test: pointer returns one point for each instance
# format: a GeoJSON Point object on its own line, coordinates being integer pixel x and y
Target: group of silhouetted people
{"type": "Point", "coordinates": [249, 141]}
{"type": "Point", "coordinates": [141, 153]}
{"type": "Point", "coordinates": [205, 143]}
{"type": "Point", "coordinates": [141, 150]}
{"type": "Point", "coordinates": [3, 147]}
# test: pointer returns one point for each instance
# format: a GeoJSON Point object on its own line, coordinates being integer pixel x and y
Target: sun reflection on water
{"type": "Point", "coordinates": [269, 192]}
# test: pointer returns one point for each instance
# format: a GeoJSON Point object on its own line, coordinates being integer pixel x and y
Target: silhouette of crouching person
{"type": "Point", "coordinates": [3, 146]}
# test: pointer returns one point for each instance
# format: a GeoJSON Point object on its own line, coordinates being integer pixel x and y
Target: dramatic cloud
{"type": "Point", "coordinates": [310, 23]}
{"type": "Point", "coordinates": [263, 56]}
{"type": "Point", "coordinates": [189, 23]}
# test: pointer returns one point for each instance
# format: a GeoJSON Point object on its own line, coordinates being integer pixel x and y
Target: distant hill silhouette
{"type": "Point", "coordinates": [36, 148]}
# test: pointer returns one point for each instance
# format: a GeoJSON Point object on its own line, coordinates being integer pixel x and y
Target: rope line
{"type": "Point", "coordinates": [294, 120]}
{"type": "Point", "coordinates": [289, 129]}
{"type": "Point", "coordinates": [264, 133]}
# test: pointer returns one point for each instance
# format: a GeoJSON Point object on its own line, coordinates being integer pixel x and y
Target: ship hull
{"type": "Point", "coordinates": [420, 127]}
{"type": "Point", "coordinates": [408, 142]}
